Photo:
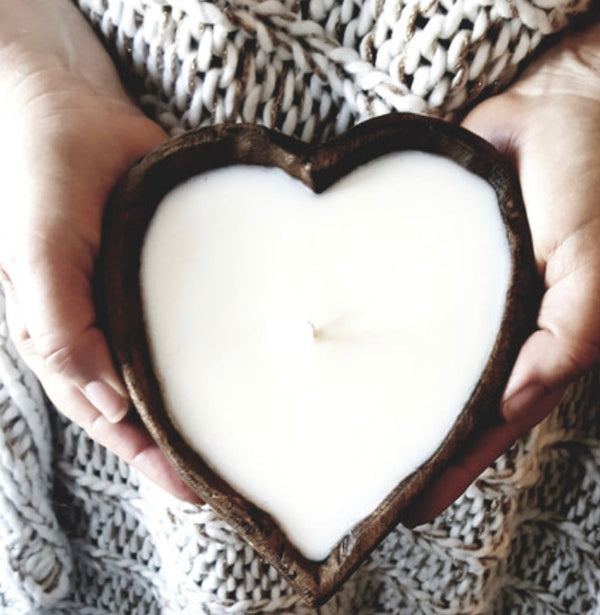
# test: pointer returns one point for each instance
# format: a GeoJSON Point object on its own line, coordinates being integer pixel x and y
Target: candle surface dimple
{"type": "Point", "coordinates": [317, 349]}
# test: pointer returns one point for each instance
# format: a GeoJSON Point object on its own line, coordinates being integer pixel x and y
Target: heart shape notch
{"type": "Point", "coordinates": [129, 214]}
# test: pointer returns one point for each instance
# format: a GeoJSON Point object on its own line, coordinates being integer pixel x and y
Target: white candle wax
{"type": "Point", "coordinates": [316, 349]}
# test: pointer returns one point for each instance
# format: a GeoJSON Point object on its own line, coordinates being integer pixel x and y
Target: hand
{"type": "Point", "coordinates": [69, 131]}
{"type": "Point", "coordinates": [548, 124]}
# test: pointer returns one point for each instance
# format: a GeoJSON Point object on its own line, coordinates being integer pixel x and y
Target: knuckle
{"type": "Point", "coordinates": [57, 355]}
{"type": "Point", "coordinates": [58, 360]}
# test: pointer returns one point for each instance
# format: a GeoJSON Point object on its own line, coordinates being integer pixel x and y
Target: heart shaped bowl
{"type": "Point", "coordinates": [128, 215]}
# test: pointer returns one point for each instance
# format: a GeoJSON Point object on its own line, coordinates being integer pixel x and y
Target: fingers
{"type": "Point", "coordinates": [455, 479]}
{"type": "Point", "coordinates": [65, 383]}
{"type": "Point", "coordinates": [494, 120]}
{"type": "Point", "coordinates": [566, 343]}
{"type": "Point", "coordinates": [52, 321]}
{"type": "Point", "coordinates": [135, 446]}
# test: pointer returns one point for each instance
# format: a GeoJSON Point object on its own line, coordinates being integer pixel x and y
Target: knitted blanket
{"type": "Point", "coordinates": [83, 533]}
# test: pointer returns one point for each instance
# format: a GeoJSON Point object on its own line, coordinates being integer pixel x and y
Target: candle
{"type": "Point", "coordinates": [317, 349]}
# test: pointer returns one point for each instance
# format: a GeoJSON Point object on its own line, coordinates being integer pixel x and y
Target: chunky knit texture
{"type": "Point", "coordinates": [310, 67]}
{"type": "Point", "coordinates": [82, 533]}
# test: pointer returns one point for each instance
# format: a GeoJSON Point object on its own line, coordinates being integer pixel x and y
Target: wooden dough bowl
{"type": "Point", "coordinates": [128, 214]}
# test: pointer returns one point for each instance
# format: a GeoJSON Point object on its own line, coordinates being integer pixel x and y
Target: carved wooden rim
{"type": "Point", "coordinates": [132, 206]}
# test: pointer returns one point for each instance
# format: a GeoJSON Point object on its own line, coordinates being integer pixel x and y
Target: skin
{"type": "Point", "coordinates": [70, 131]}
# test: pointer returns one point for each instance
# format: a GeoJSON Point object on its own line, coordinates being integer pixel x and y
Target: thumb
{"type": "Point", "coordinates": [52, 321]}
{"type": "Point", "coordinates": [568, 336]}
{"type": "Point", "coordinates": [496, 120]}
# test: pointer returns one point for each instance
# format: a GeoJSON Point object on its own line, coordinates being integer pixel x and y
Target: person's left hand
{"type": "Point", "coordinates": [548, 124]}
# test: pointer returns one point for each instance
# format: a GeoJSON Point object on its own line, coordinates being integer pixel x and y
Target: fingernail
{"type": "Point", "coordinates": [522, 401]}
{"type": "Point", "coordinates": [112, 405]}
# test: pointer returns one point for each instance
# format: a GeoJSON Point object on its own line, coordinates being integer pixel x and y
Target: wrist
{"type": "Point", "coordinates": [49, 41]}
{"type": "Point", "coordinates": [30, 30]}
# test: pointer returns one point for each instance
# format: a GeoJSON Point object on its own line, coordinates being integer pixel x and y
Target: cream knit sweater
{"type": "Point", "coordinates": [82, 533]}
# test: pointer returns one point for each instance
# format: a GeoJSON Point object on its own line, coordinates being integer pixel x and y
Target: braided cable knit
{"type": "Point", "coordinates": [315, 67]}
{"type": "Point", "coordinates": [85, 534]}
{"type": "Point", "coordinates": [36, 563]}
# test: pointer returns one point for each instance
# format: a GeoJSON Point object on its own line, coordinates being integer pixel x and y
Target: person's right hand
{"type": "Point", "coordinates": [548, 124]}
{"type": "Point", "coordinates": [69, 131]}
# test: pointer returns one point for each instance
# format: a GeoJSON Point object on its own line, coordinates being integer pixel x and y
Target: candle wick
{"type": "Point", "coordinates": [315, 333]}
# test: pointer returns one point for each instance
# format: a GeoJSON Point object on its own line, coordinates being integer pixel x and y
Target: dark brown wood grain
{"type": "Point", "coordinates": [128, 214]}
